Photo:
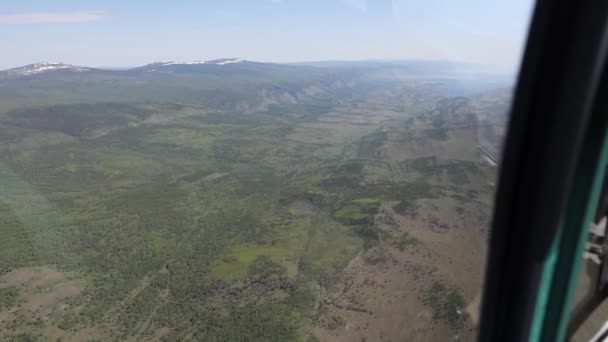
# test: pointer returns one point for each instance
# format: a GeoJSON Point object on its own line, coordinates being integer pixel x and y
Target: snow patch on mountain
{"type": "Point", "coordinates": [37, 68]}
{"type": "Point", "coordinates": [230, 61]}
{"type": "Point", "coordinates": [212, 62]}
{"type": "Point", "coordinates": [182, 63]}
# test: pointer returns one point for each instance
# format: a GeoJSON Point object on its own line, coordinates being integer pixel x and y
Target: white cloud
{"type": "Point", "coordinates": [51, 17]}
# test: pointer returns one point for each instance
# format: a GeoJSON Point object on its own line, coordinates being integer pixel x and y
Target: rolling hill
{"type": "Point", "coordinates": [230, 200]}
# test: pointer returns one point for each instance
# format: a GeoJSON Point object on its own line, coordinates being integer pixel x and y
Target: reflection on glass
{"type": "Point", "coordinates": [588, 319]}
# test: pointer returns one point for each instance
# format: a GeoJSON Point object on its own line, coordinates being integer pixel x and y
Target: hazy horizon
{"type": "Point", "coordinates": [118, 34]}
{"type": "Point", "coordinates": [478, 66]}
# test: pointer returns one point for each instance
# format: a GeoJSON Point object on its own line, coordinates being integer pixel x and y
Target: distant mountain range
{"type": "Point", "coordinates": [37, 68]}
{"type": "Point", "coordinates": [49, 67]}
{"type": "Point", "coordinates": [238, 84]}
{"type": "Point", "coordinates": [412, 66]}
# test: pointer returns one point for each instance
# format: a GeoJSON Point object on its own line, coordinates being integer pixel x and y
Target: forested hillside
{"type": "Point", "coordinates": [263, 202]}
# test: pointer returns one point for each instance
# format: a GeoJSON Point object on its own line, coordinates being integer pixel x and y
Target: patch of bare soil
{"type": "Point", "coordinates": [39, 300]}
{"type": "Point", "coordinates": [45, 277]}
{"type": "Point", "coordinates": [41, 292]}
{"type": "Point", "coordinates": [17, 277]}
{"type": "Point", "coordinates": [473, 309]}
{"type": "Point", "coordinates": [4, 315]}
{"type": "Point", "coordinates": [159, 334]}
{"type": "Point", "coordinates": [380, 301]}
{"type": "Point", "coordinates": [381, 296]}
{"type": "Point", "coordinates": [454, 235]}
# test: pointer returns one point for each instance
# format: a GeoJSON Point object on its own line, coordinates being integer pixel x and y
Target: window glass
{"type": "Point", "coordinates": [264, 170]}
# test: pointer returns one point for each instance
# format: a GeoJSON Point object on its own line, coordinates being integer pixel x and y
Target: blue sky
{"type": "Point", "coordinates": [129, 33]}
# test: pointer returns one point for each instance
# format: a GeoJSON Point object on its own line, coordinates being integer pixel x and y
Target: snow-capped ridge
{"type": "Point", "coordinates": [223, 61]}
{"type": "Point", "coordinates": [43, 67]}
{"type": "Point", "coordinates": [181, 63]}
{"type": "Point", "coordinates": [230, 61]}
{"type": "Point", "coordinates": [37, 68]}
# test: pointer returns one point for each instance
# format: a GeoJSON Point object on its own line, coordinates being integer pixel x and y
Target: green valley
{"type": "Point", "coordinates": [258, 202]}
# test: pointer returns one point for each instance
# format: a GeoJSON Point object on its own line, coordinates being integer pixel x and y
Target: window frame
{"type": "Point", "coordinates": [547, 155]}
